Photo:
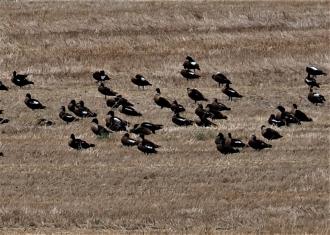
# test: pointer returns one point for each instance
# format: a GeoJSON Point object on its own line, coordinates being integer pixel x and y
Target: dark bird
{"type": "Point", "coordinates": [215, 114]}
{"type": "Point", "coordinates": [129, 110]}
{"type": "Point", "coordinates": [106, 91]}
{"type": "Point", "coordinates": [189, 75]}
{"type": "Point", "coordinates": [221, 79]}
{"type": "Point", "coordinates": [176, 107]}
{"type": "Point", "coordinates": [33, 103]}
{"type": "Point", "coordinates": [148, 142]}
{"type": "Point", "coordinates": [161, 101]}
{"type": "Point", "coordinates": [127, 141]}
{"type": "Point", "coordinates": [82, 111]}
{"type": "Point", "coordinates": [272, 120]}
{"type": "Point", "coordinates": [299, 114]}
{"type": "Point", "coordinates": [78, 143]}
{"type": "Point", "coordinates": [236, 143]}
{"type": "Point", "coordinates": [230, 92]}
{"type": "Point", "coordinates": [3, 87]}
{"type": "Point", "coordinates": [269, 133]}
{"type": "Point", "coordinates": [20, 79]}
{"type": "Point", "coordinates": [220, 137]}
{"type": "Point", "coordinates": [196, 95]}
{"type": "Point", "coordinates": [115, 123]}
{"type": "Point", "coordinates": [3, 120]}
{"type": "Point", "coordinates": [311, 82]}
{"type": "Point", "coordinates": [66, 116]}
{"type": "Point", "coordinates": [100, 76]}
{"type": "Point", "coordinates": [72, 105]}
{"type": "Point", "coordinates": [151, 126]}
{"type": "Point", "coordinates": [190, 63]}
{"type": "Point", "coordinates": [147, 149]}
{"type": "Point", "coordinates": [44, 122]}
{"type": "Point", "coordinates": [217, 106]}
{"type": "Point", "coordinates": [204, 122]}
{"type": "Point", "coordinates": [138, 129]}
{"type": "Point", "coordinates": [286, 116]}
{"type": "Point", "coordinates": [315, 98]}
{"type": "Point", "coordinates": [202, 113]}
{"type": "Point", "coordinates": [139, 80]}
{"type": "Point", "coordinates": [117, 101]}
{"type": "Point", "coordinates": [258, 144]}
{"type": "Point", "coordinates": [311, 70]}
{"type": "Point", "coordinates": [224, 146]}
{"type": "Point", "coordinates": [181, 121]}
{"type": "Point", "coordinates": [98, 129]}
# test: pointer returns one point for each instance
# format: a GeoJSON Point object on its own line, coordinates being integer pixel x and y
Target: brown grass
{"type": "Point", "coordinates": [188, 187]}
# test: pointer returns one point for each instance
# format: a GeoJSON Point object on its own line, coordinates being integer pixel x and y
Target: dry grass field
{"type": "Point", "coordinates": [188, 187]}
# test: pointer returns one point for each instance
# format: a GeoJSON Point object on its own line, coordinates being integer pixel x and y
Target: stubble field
{"type": "Point", "coordinates": [188, 187]}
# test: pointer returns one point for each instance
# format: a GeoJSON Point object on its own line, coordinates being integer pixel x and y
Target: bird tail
{"type": "Point", "coordinates": [91, 145]}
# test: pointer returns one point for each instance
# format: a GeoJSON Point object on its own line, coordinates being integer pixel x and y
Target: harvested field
{"type": "Point", "coordinates": [188, 187]}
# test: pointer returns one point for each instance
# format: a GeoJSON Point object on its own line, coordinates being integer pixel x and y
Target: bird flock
{"type": "Point", "coordinates": [205, 116]}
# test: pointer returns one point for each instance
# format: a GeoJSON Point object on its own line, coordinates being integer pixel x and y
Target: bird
{"type": "Point", "coordinates": [299, 114]}
{"type": "Point", "coordinates": [230, 92]}
{"type": "Point", "coordinates": [196, 95]}
{"type": "Point", "coordinates": [181, 121]}
{"type": "Point", "coordinates": [106, 91]}
{"type": "Point", "coordinates": [237, 143]}
{"type": "Point", "coordinates": [98, 129]}
{"type": "Point", "coordinates": [190, 63]}
{"type": "Point", "coordinates": [269, 133]}
{"type": "Point", "coordinates": [66, 116]}
{"type": "Point", "coordinates": [138, 129]}
{"type": "Point", "coordinates": [117, 101]}
{"type": "Point", "coordinates": [115, 123]}
{"type": "Point", "coordinates": [139, 80]}
{"type": "Point", "coordinates": [33, 103]}
{"type": "Point", "coordinates": [20, 79]}
{"type": "Point", "coordinates": [217, 106]}
{"type": "Point", "coordinates": [127, 141]}
{"type": "Point", "coordinates": [79, 144]}
{"type": "Point", "coordinates": [312, 70]}
{"type": "Point", "coordinates": [189, 75]}
{"type": "Point", "coordinates": [161, 101]}
{"type": "Point", "coordinates": [100, 76]}
{"type": "Point", "coordinates": [151, 126]}
{"type": "Point", "coordinates": [202, 113]}
{"type": "Point", "coordinates": [204, 122]}
{"type": "Point", "coordinates": [3, 87]}
{"type": "Point", "coordinates": [315, 98]}
{"type": "Point", "coordinates": [129, 110]}
{"type": "Point", "coordinates": [286, 116]}
{"type": "Point", "coordinates": [258, 144]}
{"type": "Point", "coordinates": [272, 120]}
{"type": "Point", "coordinates": [311, 82]}
{"type": "Point", "coordinates": [82, 111]}
{"type": "Point", "coordinates": [215, 114]}
{"type": "Point", "coordinates": [220, 79]}
{"type": "Point", "coordinates": [224, 146]}
{"type": "Point", "coordinates": [44, 122]}
{"type": "Point", "coordinates": [219, 138]}
{"type": "Point", "coordinates": [3, 120]}
{"type": "Point", "coordinates": [72, 105]}
{"type": "Point", "coordinates": [147, 149]}
{"type": "Point", "coordinates": [148, 142]}
{"type": "Point", "coordinates": [176, 107]}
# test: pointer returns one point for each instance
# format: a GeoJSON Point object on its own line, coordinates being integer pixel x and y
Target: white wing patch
{"type": "Point", "coordinates": [314, 68]}
{"type": "Point", "coordinates": [193, 63]}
